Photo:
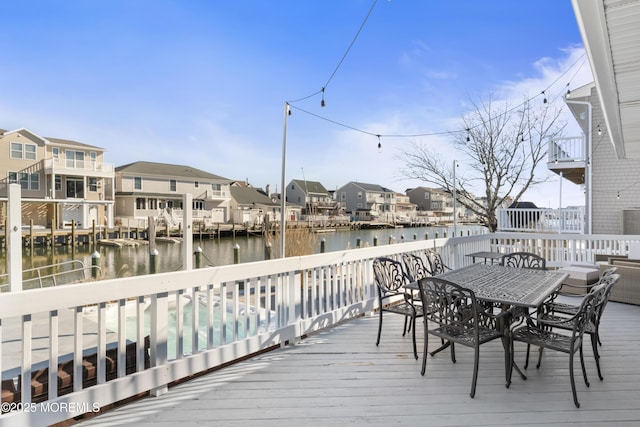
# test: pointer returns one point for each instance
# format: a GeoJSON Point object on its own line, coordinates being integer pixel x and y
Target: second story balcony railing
{"type": "Point", "coordinates": [85, 167]}
{"type": "Point", "coordinates": [567, 149]}
{"type": "Point", "coordinates": [568, 220]}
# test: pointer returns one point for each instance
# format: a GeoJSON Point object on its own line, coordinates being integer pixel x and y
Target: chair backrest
{"type": "Point", "coordinates": [450, 305]}
{"type": "Point", "coordinates": [606, 283]}
{"type": "Point", "coordinates": [524, 260]}
{"type": "Point", "coordinates": [416, 266]}
{"type": "Point", "coordinates": [436, 264]}
{"type": "Point", "coordinates": [390, 276]}
{"type": "Point", "coordinates": [587, 309]}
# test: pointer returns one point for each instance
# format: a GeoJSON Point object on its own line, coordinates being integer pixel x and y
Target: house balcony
{"type": "Point", "coordinates": [316, 313]}
{"type": "Point", "coordinates": [568, 156]}
{"type": "Point", "coordinates": [78, 168]}
{"type": "Point", "coordinates": [539, 220]}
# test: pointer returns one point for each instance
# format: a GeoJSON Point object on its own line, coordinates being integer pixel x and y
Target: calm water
{"type": "Point", "coordinates": [132, 261]}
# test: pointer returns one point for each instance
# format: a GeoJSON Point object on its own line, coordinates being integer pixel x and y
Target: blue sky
{"type": "Point", "coordinates": [203, 83]}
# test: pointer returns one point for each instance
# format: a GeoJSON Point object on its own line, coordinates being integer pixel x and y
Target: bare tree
{"type": "Point", "coordinates": [500, 149]}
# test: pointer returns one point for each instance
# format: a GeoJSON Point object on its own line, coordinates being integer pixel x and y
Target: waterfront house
{"type": "Point", "coordinates": [148, 189]}
{"type": "Point", "coordinates": [62, 181]}
{"type": "Point", "coordinates": [252, 206]}
{"type": "Point", "coordinates": [377, 201]}
{"type": "Point", "coordinates": [313, 197]}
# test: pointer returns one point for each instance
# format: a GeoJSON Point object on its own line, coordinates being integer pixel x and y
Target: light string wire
{"type": "Point", "coordinates": [413, 135]}
{"type": "Point", "coordinates": [344, 56]}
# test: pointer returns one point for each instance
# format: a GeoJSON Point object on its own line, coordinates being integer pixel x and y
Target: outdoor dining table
{"type": "Point", "coordinates": [507, 287]}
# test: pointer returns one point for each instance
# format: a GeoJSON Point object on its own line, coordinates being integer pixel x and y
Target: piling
{"type": "Point", "coordinates": [323, 243]}
{"type": "Point", "coordinates": [153, 261]}
{"type": "Point", "coordinates": [95, 264]}
{"type": "Point", "coordinates": [198, 255]}
{"type": "Point", "coordinates": [236, 254]}
{"type": "Point", "coordinates": [267, 251]}
{"type": "Point", "coordinates": [375, 240]}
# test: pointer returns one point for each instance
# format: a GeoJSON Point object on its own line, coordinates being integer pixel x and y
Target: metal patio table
{"type": "Point", "coordinates": [507, 287]}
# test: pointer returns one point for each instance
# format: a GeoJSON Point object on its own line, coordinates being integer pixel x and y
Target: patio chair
{"type": "Point", "coordinates": [524, 260]}
{"type": "Point", "coordinates": [553, 306]}
{"type": "Point", "coordinates": [416, 266]}
{"type": "Point", "coordinates": [436, 264]}
{"type": "Point", "coordinates": [539, 332]}
{"type": "Point", "coordinates": [391, 278]}
{"type": "Point", "coordinates": [458, 319]}
{"type": "Point", "coordinates": [593, 327]}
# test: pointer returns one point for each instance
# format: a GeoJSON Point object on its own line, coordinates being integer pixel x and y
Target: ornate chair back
{"type": "Point", "coordinates": [416, 266]}
{"type": "Point", "coordinates": [524, 260]}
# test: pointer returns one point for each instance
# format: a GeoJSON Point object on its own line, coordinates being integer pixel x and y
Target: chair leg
{"type": "Point", "coordinates": [573, 382]}
{"type": "Point", "coordinates": [404, 330]}
{"type": "Point", "coordinates": [539, 357]}
{"type": "Point", "coordinates": [476, 362]}
{"type": "Point", "coordinates": [453, 352]}
{"type": "Point", "coordinates": [584, 369]}
{"type": "Point", "coordinates": [526, 360]}
{"type": "Point", "coordinates": [379, 328]}
{"type": "Point", "coordinates": [596, 354]}
{"type": "Point", "coordinates": [426, 349]}
{"type": "Point", "coordinates": [412, 324]}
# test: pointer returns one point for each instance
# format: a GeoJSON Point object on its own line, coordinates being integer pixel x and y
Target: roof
{"type": "Point", "coordinates": [165, 169]}
{"type": "Point", "coordinates": [49, 140]}
{"type": "Point", "coordinates": [610, 31]}
{"type": "Point", "coordinates": [372, 187]}
{"type": "Point", "coordinates": [311, 187]}
{"type": "Point", "coordinates": [249, 196]}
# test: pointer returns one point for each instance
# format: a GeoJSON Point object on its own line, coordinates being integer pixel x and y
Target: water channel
{"type": "Point", "coordinates": [132, 261]}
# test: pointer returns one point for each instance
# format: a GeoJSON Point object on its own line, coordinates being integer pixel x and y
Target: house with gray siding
{"type": "Point", "coordinates": [368, 201]}
{"type": "Point", "coordinates": [148, 189]}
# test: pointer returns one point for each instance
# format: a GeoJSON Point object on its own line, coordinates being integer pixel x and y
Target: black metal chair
{"type": "Point", "coordinates": [524, 260]}
{"type": "Point", "coordinates": [554, 306]}
{"type": "Point", "coordinates": [391, 278]}
{"type": "Point", "coordinates": [436, 264]}
{"type": "Point", "coordinates": [540, 332]}
{"type": "Point", "coordinates": [593, 327]}
{"type": "Point", "coordinates": [417, 266]}
{"type": "Point", "coordinates": [458, 318]}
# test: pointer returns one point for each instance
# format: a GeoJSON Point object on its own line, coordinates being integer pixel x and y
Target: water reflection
{"type": "Point", "coordinates": [131, 261]}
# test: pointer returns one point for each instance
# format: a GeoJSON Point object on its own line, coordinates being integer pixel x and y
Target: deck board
{"type": "Point", "coordinates": [340, 377]}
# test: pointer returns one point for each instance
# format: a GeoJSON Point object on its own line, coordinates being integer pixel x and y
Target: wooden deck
{"type": "Point", "coordinates": [340, 377]}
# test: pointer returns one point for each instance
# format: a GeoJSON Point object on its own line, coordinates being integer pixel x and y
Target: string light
{"type": "Point", "coordinates": [568, 91]}
{"type": "Point", "coordinates": [618, 196]}
{"type": "Point", "coordinates": [379, 144]}
{"type": "Point", "coordinates": [544, 101]}
{"type": "Point", "coordinates": [599, 131]}
{"type": "Point", "coordinates": [322, 103]}
{"type": "Point", "coordinates": [468, 134]}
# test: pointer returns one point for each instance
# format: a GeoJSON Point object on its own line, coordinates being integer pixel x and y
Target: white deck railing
{"type": "Point", "coordinates": [242, 309]}
{"type": "Point", "coordinates": [566, 220]}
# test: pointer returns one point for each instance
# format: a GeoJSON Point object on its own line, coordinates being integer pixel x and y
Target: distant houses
{"type": "Point", "coordinates": [65, 182]}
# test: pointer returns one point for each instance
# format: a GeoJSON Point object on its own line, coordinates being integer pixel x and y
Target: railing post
{"type": "Point", "coordinates": [198, 256]}
{"type": "Point", "coordinates": [236, 254]}
{"type": "Point", "coordinates": [14, 234]}
{"type": "Point", "coordinates": [158, 339]}
{"type": "Point", "coordinates": [95, 264]}
{"type": "Point", "coordinates": [267, 251]}
{"type": "Point", "coordinates": [153, 261]}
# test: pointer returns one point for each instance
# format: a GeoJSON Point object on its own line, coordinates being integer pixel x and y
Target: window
{"type": "Point", "coordinates": [137, 183]}
{"type": "Point", "coordinates": [196, 184]}
{"type": "Point", "coordinates": [93, 184]}
{"type": "Point", "coordinates": [140, 203]}
{"type": "Point", "coordinates": [93, 157]}
{"type": "Point", "coordinates": [359, 194]}
{"type": "Point", "coordinates": [58, 183]}
{"type": "Point", "coordinates": [172, 185]}
{"type": "Point", "coordinates": [23, 151]}
{"type": "Point", "coordinates": [55, 152]}
{"type": "Point", "coordinates": [153, 203]}
{"type": "Point", "coordinates": [198, 205]}
{"type": "Point", "coordinates": [27, 181]}
{"type": "Point", "coordinates": [75, 159]}
{"type": "Point", "coordinates": [216, 187]}
{"type": "Point", "coordinates": [427, 195]}
{"type": "Point", "coordinates": [343, 196]}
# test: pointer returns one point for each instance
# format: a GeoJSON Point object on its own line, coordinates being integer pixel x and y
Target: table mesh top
{"type": "Point", "coordinates": [510, 285]}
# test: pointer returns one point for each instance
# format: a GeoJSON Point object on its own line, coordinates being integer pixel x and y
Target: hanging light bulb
{"type": "Point", "coordinates": [468, 135]}
{"type": "Point", "coordinates": [599, 131]}
{"type": "Point", "coordinates": [544, 101]}
{"type": "Point", "coordinates": [568, 91]}
{"type": "Point", "coordinates": [322, 104]}
{"type": "Point", "coordinates": [379, 144]}
{"type": "Point", "coordinates": [618, 196]}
